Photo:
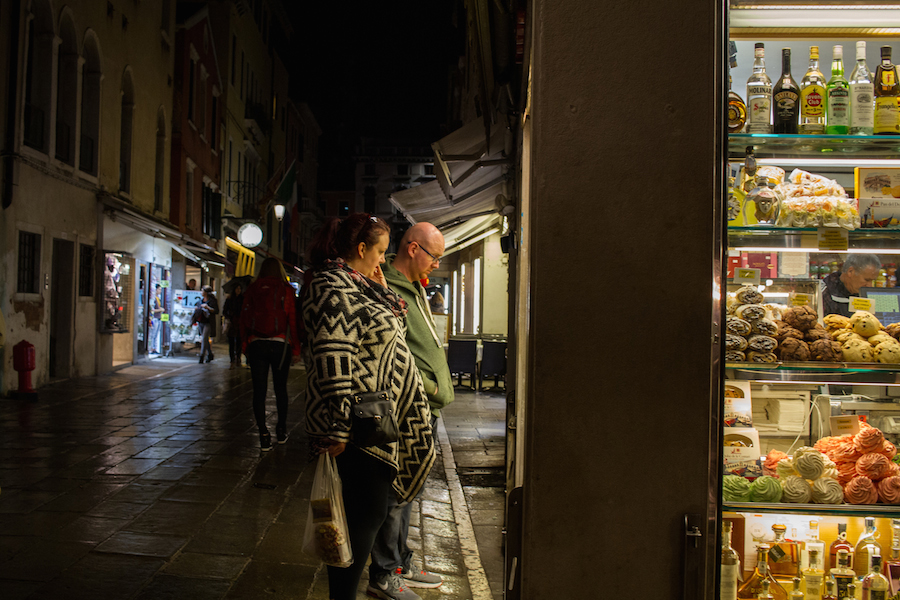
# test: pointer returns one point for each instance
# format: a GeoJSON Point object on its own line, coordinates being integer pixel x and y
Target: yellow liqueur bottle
{"type": "Point", "coordinates": [753, 586]}
{"type": "Point", "coordinates": [813, 577]}
{"type": "Point", "coordinates": [887, 96]}
{"type": "Point", "coordinates": [812, 96]}
{"type": "Point", "coordinates": [784, 556]}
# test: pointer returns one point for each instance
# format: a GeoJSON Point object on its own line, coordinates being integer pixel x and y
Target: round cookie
{"type": "Point", "coordinates": [836, 322]}
{"type": "Point", "coordinates": [801, 317]}
{"type": "Point", "coordinates": [786, 331]}
{"type": "Point", "coordinates": [845, 335]}
{"type": "Point", "coordinates": [817, 333]}
{"type": "Point", "coordinates": [893, 330]}
{"type": "Point", "coordinates": [826, 351]}
{"type": "Point", "coordinates": [882, 336]}
{"type": "Point", "coordinates": [793, 350]}
{"type": "Point", "coordinates": [857, 351]}
{"type": "Point", "coordinates": [887, 352]}
{"type": "Point", "coordinates": [865, 323]}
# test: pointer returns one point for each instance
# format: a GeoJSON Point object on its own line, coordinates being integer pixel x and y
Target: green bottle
{"type": "Point", "coordinates": [837, 96]}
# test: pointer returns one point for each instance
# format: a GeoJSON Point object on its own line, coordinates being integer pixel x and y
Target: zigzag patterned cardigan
{"type": "Point", "coordinates": [357, 343]}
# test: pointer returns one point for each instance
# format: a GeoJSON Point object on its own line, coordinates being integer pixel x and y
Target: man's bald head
{"type": "Point", "coordinates": [420, 251]}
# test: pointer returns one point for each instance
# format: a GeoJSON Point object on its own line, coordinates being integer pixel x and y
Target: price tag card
{"type": "Point", "coordinates": [164, 317]}
{"type": "Point", "coordinates": [801, 299]}
{"type": "Point", "coordinates": [844, 424]}
{"type": "Point", "coordinates": [743, 275]}
{"type": "Point", "coordinates": [860, 304]}
{"type": "Point", "coordinates": [833, 238]}
{"type": "Point", "coordinates": [165, 284]}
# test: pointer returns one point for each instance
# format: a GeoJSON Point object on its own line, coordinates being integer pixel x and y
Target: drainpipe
{"type": "Point", "coordinates": [9, 154]}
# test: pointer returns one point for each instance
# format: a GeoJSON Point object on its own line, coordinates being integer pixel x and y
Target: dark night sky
{"type": "Point", "coordinates": [377, 69]}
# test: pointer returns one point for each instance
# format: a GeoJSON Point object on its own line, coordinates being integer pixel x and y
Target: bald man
{"type": "Point", "coordinates": [419, 253]}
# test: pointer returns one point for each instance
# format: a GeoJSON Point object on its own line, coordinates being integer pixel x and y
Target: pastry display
{"type": "Point", "coordinates": [826, 351]}
{"type": "Point", "coordinates": [737, 326]}
{"type": "Point", "coordinates": [864, 323]}
{"type": "Point", "coordinates": [887, 352]}
{"type": "Point", "coordinates": [735, 489]}
{"type": "Point", "coordinates": [827, 491]}
{"type": "Point", "coordinates": [796, 489]}
{"type": "Point", "coordinates": [810, 200]}
{"type": "Point", "coordinates": [749, 295]}
{"type": "Point", "coordinates": [764, 327]}
{"type": "Point", "coordinates": [811, 465]}
{"type": "Point", "coordinates": [860, 490]}
{"type": "Point", "coordinates": [750, 312]}
{"type": "Point", "coordinates": [762, 357]}
{"type": "Point", "coordinates": [792, 349]}
{"type": "Point", "coordinates": [857, 351]}
{"type": "Point", "coordinates": [735, 356]}
{"type": "Point", "coordinates": [735, 342]}
{"type": "Point", "coordinates": [875, 466]}
{"type": "Point", "coordinates": [817, 333]}
{"type": "Point", "coordinates": [801, 317]}
{"type": "Point", "coordinates": [835, 322]}
{"type": "Point", "coordinates": [762, 343]}
{"type": "Point", "coordinates": [766, 489]}
{"type": "Point", "coordinates": [889, 490]}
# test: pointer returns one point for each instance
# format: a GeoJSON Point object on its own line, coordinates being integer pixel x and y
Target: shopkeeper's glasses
{"type": "Point", "coordinates": [435, 259]}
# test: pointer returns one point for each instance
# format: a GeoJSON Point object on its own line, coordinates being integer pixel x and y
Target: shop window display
{"type": "Point", "coordinates": [118, 284]}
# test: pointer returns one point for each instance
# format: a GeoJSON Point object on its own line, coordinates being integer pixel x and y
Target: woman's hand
{"type": "Point", "coordinates": [334, 449]}
{"type": "Point", "coordinates": [378, 276]}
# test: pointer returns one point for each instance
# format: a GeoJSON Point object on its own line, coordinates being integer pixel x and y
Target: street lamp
{"type": "Point", "coordinates": [279, 211]}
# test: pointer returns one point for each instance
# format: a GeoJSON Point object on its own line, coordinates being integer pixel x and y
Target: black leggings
{"type": "Point", "coordinates": [261, 356]}
{"type": "Point", "coordinates": [367, 486]}
{"type": "Point", "coordinates": [234, 349]}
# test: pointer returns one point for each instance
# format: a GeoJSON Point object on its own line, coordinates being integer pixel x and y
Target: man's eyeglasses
{"type": "Point", "coordinates": [436, 259]}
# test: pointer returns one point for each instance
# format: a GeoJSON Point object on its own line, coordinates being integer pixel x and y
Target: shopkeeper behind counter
{"type": "Point", "coordinates": [858, 271]}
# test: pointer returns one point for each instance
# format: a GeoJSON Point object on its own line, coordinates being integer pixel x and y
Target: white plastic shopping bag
{"type": "Point", "coordinates": [326, 534]}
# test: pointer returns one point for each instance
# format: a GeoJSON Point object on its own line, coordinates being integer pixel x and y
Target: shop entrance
{"type": "Point", "coordinates": [62, 311]}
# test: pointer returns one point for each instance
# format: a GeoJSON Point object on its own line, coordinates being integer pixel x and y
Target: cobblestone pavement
{"type": "Point", "coordinates": [149, 483]}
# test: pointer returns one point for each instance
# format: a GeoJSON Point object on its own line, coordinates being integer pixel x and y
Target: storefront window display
{"type": "Point", "coordinates": [118, 283]}
{"type": "Point", "coordinates": [183, 305]}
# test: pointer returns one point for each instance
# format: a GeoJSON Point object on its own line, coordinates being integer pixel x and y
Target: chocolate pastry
{"type": "Point", "coordinates": [801, 317]}
{"type": "Point", "coordinates": [762, 357]}
{"type": "Point", "coordinates": [785, 331]}
{"type": "Point", "coordinates": [826, 351]}
{"type": "Point", "coordinates": [817, 333]}
{"type": "Point", "coordinates": [893, 330]}
{"type": "Point", "coordinates": [749, 295]}
{"type": "Point", "coordinates": [735, 356]}
{"type": "Point", "coordinates": [794, 350]}
{"type": "Point", "coordinates": [737, 326]}
{"type": "Point", "coordinates": [735, 342]}
{"type": "Point", "coordinates": [765, 327]}
{"type": "Point", "coordinates": [762, 343]}
{"type": "Point", "coordinates": [750, 312]}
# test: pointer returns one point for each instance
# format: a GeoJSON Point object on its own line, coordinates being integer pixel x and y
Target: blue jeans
{"type": "Point", "coordinates": [391, 550]}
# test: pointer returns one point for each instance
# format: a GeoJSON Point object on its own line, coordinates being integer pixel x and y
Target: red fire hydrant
{"type": "Point", "coordinates": [23, 362]}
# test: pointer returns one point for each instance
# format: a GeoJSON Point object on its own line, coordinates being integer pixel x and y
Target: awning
{"type": "Point", "coordinates": [470, 181]}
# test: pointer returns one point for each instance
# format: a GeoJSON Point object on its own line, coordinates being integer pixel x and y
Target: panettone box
{"type": "Point", "coordinates": [879, 183]}
{"type": "Point", "coordinates": [879, 212]}
{"type": "Point", "coordinates": [742, 456]}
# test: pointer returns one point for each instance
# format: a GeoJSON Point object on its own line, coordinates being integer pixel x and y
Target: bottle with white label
{"type": "Point", "coordinates": [730, 565]}
{"type": "Point", "coordinates": [759, 95]}
{"type": "Point", "coordinates": [812, 96]}
{"type": "Point", "coordinates": [837, 94]}
{"type": "Point", "coordinates": [862, 95]}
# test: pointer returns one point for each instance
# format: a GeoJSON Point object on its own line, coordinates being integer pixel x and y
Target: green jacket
{"type": "Point", "coordinates": [422, 338]}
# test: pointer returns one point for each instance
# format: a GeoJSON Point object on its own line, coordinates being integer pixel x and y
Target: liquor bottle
{"type": "Point", "coordinates": [876, 586]}
{"type": "Point", "coordinates": [843, 575]}
{"type": "Point", "coordinates": [751, 588]}
{"type": "Point", "coordinates": [784, 557]}
{"type": "Point", "coordinates": [851, 591]}
{"type": "Point", "coordinates": [813, 577]}
{"type": "Point", "coordinates": [737, 110]}
{"type": "Point", "coordinates": [839, 543]}
{"type": "Point", "coordinates": [866, 547]}
{"type": "Point", "coordinates": [796, 593]}
{"type": "Point", "coordinates": [862, 95]}
{"type": "Point", "coordinates": [887, 95]}
{"type": "Point", "coordinates": [764, 593]}
{"type": "Point", "coordinates": [759, 95]}
{"type": "Point", "coordinates": [812, 543]}
{"type": "Point", "coordinates": [894, 558]}
{"type": "Point", "coordinates": [829, 590]}
{"type": "Point", "coordinates": [730, 565]}
{"type": "Point", "coordinates": [812, 96]}
{"type": "Point", "coordinates": [786, 98]}
{"type": "Point", "coordinates": [837, 94]}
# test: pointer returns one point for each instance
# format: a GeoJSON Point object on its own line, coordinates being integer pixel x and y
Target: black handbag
{"type": "Point", "coordinates": [374, 419]}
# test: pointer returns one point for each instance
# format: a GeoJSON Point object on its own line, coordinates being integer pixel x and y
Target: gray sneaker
{"type": "Point", "coordinates": [390, 587]}
{"type": "Point", "coordinates": [420, 578]}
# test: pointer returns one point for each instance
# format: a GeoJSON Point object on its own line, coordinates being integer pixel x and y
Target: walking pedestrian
{"type": "Point", "coordinates": [355, 337]}
{"type": "Point", "coordinates": [419, 254]}
{"type": "Point", "coordinates": [209, 308]}
{"type": "Point", "coordinates": [156, 310]}
{"type": "Point", "coordinates": [231, 322]}
{"type": "Point", "coordinates": [267, 323]}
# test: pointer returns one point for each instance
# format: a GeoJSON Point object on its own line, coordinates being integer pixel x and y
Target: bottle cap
{"type": "Point", "coordinates": [759, 50]}
{"type": "Point", "coordinates": [885, 51]}
{"type": "Point", "coordinates": [814, 52]}
{"type": "Point", "coordinates": [838, 52]}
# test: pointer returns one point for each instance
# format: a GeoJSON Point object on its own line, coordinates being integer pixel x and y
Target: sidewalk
{"type": "Point", "coordinates": [149, 483]}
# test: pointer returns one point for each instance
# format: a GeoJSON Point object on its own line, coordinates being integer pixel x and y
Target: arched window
{"type": "Point", "coordinates": [158, 203]}
{"type": "Point", "coordinates": [125, 133]}
{"type": "Point", "coordinates": [66, 90]}
{"type": "Point", "coordinates": [38, 76]}
{"type": "Point", "coordinates": [90, 106]}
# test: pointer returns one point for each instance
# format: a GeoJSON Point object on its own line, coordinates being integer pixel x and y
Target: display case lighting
{"type": "Point", "coordinates": [816, 250]}
{"type": "Point", "coordinates": [829, 162]}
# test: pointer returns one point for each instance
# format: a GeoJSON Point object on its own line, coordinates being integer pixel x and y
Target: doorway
{"type": "Point", "coordinates": [62, 308]}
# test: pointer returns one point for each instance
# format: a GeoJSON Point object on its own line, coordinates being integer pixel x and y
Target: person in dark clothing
{"type": "Point", "coordinates": [231, 312]}
{"type": "Point", "coordinates": [209, 308]}
{"type": "Point", "coordinates": [858, 271]}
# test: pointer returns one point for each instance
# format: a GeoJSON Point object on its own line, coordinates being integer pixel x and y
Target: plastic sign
{"type": "Point", "coordinates": [750, 276]}
{"type": "Point", "coordinates": [250, 235]}
{"type": "Point", "coordinates": [844, 424]}
{"type": "Point", "coordinates": [164, 317]}
{"type": "Point", "coordinates": [833, 238]}
{"type": "Point", "coordinates": [801, 299]}
{"type": "Point", "coordinates": [861, 303]}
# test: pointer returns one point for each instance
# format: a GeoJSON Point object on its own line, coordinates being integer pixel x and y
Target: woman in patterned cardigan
{"type": "Point", "coordinates": [355, 334]}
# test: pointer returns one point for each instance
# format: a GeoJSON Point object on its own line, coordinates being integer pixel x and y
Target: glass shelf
{"type": "Point", "coordinates": [816, 372]}
{"type": "Point", "coordinates": [815, 146]}
{"type": "Point", "coordinates": [805, 239]}
{"type": "Point", "coordinates": [885, 511]}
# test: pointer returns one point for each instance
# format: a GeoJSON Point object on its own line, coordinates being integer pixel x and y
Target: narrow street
{"type": "Point", "coordinates": [149, 483]}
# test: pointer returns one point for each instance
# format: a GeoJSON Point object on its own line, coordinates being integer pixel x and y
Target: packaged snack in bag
{"type": "Point", "coordinates": [326, 535]}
